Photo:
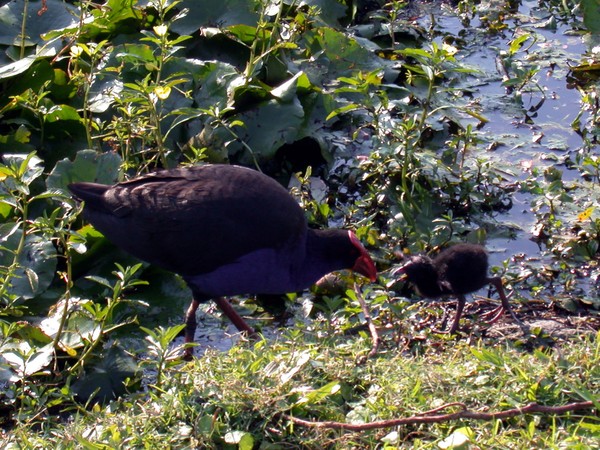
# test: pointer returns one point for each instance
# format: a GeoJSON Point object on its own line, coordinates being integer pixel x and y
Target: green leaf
{"type": "Point", "coordinates": [591, 15]}
{"type": "Point", "coordinates": [320, 394]}
{"type": "Point", "coordinates": [285, 124]}
{"type": "Point", "coordinates": [35, 265]}
{"type": "Point", "coordinates": [117, 16]}
{"type": "Point", "coordinates": [28, 360]}
{"type": "Point", "coordinates": [301, 361]}
{"type": "Point", "coordinates": [329, 11]}
{"type": "Point", "coordinates": [18, 67]}
{"type": "Point", "coordinates": [62, 112]}
{"type": "Point", "coordinates": [23, 168]}
{"type": "Point", "coordinates": [163, 336]}
{"type": "Point", "coordinates": [488, 356]}
{"type": "Point", "coordinates": [104, 378]}
{"type": "Point", "coordinates": [287, 91]}
{"type": "Point", "coordinates": [210, 12]}
{"type": "Point", "coordinates": [100, 280]}
{"type": "Point", "coordinates": [343, 109]}
{"type": "Point", "coordinates": [58, 14]}
{"type": "Point", "coordinates": [243, 439]}
{"type": "Point", "coordinates": [341, 54]}
{"type": "Point", "coordinates": [515, 44]}
{"type": "Point", "coordinates": [32, 333]}
{"type": "Point", "coordinates": [17, 141]}
{"type": "Point", "coordinates": [80, 327]}
{"type": "Point", "coordinates": [88, 165]}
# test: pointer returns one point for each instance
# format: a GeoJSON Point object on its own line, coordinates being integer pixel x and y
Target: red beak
{"type": "Point", "coordinates": [364, 264]}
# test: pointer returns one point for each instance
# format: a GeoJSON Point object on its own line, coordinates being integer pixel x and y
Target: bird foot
{"type": "Point", "coordinates": [491, 317]}
{"type": "Point", "coordinates": [188, 354]}
{"type": "Point", "coordinates": [438, 331]}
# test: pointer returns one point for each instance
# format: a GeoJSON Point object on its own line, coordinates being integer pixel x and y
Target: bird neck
{"type": "Point", "coordinates": [326, 251]}
{"type": "Point", "coordinates": [426, 280]}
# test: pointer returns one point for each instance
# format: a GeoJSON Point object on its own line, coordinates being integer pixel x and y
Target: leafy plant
{"type": "Point", "coordinates": [162, 355]}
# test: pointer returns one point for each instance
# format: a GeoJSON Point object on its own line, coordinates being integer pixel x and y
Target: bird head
{"type": "Point", "coordinates": [413, 266]}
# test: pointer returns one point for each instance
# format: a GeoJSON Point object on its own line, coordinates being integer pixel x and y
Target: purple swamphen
{"type": "Point", "coordinates": [227, 230]}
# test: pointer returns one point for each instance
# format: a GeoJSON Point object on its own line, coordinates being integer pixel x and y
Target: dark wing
{"type": "Point", "coordinates": [464, 267]}
{"type": "Point", "coordinates": [193, 220]}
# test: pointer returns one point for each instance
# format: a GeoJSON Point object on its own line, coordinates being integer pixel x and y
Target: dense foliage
{"type": "Point", "coordinates": [371, 112]}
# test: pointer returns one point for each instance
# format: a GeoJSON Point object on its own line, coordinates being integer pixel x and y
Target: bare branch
{"type": "Point", "coordinates": [372, 328]}
{"type": "Point", "coordinates": [462, 413]}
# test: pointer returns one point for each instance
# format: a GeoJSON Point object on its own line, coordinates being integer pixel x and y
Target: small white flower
{"type": "Point", "coordinates": [161, 30]}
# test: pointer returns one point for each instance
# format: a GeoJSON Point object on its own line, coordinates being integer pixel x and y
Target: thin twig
{"type": "Point", "coordinates": [372, 328]}
{"type": "Point", "coordinates": [462, 413]}
{"type": "Point", "coordinates": [441, 408]}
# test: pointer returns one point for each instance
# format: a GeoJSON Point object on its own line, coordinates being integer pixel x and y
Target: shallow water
{"type": "Point", "coordinates": [531, 132]}
{"type": "Point", "coordinates": [534, 132]}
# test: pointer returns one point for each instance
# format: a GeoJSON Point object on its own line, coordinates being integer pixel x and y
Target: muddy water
{"type": "Point", "coordinates": [533, 130]}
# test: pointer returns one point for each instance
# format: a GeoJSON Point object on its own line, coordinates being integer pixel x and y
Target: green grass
{"type": "Point", "coordinates": [244, 395]}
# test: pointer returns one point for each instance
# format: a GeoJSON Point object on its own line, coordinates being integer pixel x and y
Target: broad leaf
{"type": "Point", "coordinates": [215, 12]}
{"type": "Point", "coordinates": [88, 165]}
{"type": "Point", "coordinates": [36, 264]}
{"type": "Point", "coordinates": [104, 379]}
{"type": "Point", "coordinates": [591, 15]}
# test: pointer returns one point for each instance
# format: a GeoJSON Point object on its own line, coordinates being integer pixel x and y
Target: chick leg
{"type": "Point", "coordinates": [459, 309]}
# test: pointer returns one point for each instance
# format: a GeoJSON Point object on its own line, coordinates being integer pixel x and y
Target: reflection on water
{"type": "Point", "coordinates": [533, 130]}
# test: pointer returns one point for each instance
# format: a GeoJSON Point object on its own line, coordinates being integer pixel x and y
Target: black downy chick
{"type": "Point", "coordinates": [456, 271]}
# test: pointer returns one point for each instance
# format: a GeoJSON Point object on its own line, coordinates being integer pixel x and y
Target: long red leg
{"type": "Point", "coordinates": [190, 328]}
{"type": "Point", "coordinates": [228, 310]}
{"type": "Point", "coordinates": [235, 318]}
{"type": "Point", "coordinates": [459, 309]}
{"type": "Point", "coordinates": [497, 282]}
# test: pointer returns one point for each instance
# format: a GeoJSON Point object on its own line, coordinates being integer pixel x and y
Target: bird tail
{"type": "Point", "coordinates": [88, 192]}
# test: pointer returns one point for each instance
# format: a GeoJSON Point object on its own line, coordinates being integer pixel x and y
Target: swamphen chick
{"type": "Point", "coordinates": [458, 270]}
{"type": "Point", "coordinates": [226, 230]}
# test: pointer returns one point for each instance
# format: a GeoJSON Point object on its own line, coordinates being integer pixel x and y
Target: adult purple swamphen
{"type": "Point", "coordinates": [456, 271]}
{"type": "Point", "coordinates": [227, 230]}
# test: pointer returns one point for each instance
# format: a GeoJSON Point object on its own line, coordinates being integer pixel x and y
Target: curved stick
{"type": "Point", "coordinates": [462, 413]}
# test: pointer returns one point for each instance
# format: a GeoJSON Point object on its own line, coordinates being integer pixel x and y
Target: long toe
{"type": "Point", "coordinates": [438, 331]}
{"type": "Point", "coordinates": [493, 316]}
{"type": "Point", "coordinates": [524, 328]}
